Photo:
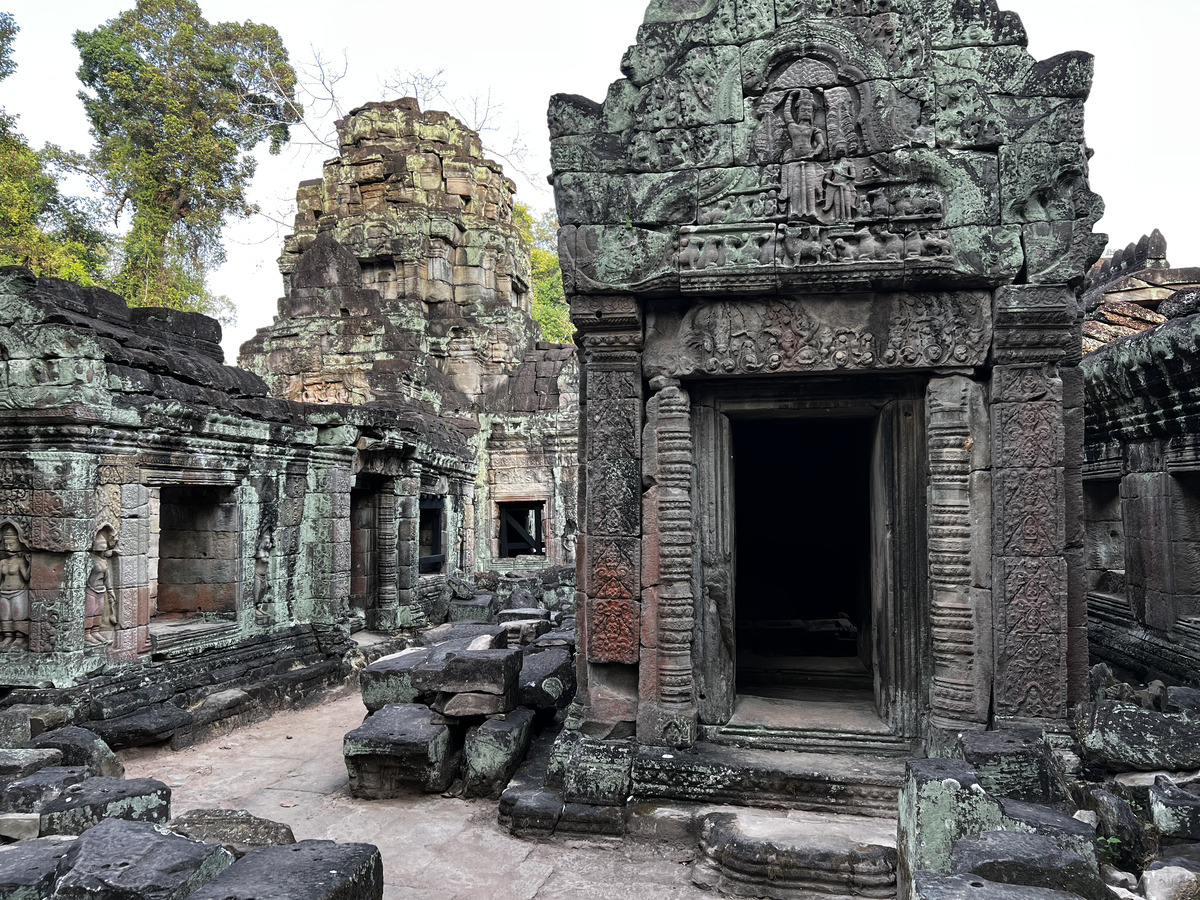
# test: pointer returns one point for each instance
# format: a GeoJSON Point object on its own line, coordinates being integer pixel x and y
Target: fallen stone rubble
{"type": "Point", "coordinates": [82, 831]}
{"type": "Point", "coordinates": [1110, 811]}
{"type": "Point", "coordinates": [457, 710]}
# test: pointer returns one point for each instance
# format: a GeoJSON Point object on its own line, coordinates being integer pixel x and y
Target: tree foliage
{"type": "Point", "coordinates": [39, 227]}
{"type": "Point", "coordinates": [550, 308]}
{"type": "Point", "coordinates": [176, 104]}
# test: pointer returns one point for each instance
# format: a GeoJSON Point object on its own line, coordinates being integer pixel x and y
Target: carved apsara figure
{"type": "Point", "coordinates": [799, 112]}
{"type": "Point", "coordinates": [99, 592]}
{"type": "Point", "coordinates": [262, 568]}
{"type": "Point", "coordinates": [14, 590]}
{"type": "Point", "coordinates": [841, 193]}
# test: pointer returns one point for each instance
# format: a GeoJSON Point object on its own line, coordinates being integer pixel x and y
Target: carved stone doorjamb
{"type": "Point", "coordinates": [667, 710]}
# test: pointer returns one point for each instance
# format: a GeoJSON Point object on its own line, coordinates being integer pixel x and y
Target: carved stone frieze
{"type": "Point", "coordinates": [909, 331]}
{"type": "Point", "coordinates": [613, 572]}
{"type": "Point", "coordinates": [613, 628]}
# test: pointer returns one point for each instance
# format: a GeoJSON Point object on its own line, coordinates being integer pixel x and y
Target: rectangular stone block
{"type": "Point", "coordinates": [90, 802]}
{"type": "Point", "coordinates": [493, 751]}
{"type": "Point", "coordinates": [399, 750]}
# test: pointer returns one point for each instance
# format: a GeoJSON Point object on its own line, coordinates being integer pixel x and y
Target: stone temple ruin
{"type": "Point", "coordinates": [868, 489]}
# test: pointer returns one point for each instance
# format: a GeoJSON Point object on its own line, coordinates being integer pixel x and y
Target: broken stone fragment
{"type": "Point", "coordinates": [116, 860]}
{"type": "Point", "coordinates": [30, 794]}
{"type": "Point", "coordinates": [547, 679]}
{"type": "Point", "coordinates": [1123, 737]}
{"type": "Point", "coordinates": [1071, 833]}
{"type": "Point", "coordinates": [1013, 763]}
{"type": "Point", "coordinates": [1174, 812]}
{"type": "Point", "coordinates": [493, 751]}
{"type": "Point", "coordinates": [308, 870]}
{"type": "Point", "coordinates": [19, 827]}
{"type": "Point", "coordinates": [15, 728]}
{"type": "Point", "coordinates": [392, 679]}
{"type": "Point", "coordinates": [399, 750]}
{"type": "Point", "coordinates": [477, 671]}
{"type": "Point", "coordinates": [523, 613]}
{"type": "Point", "coordinates": [29, 870]}
{"type": "Point", "coordinates": [84, 805]}
{"type": "Point", "coordinates": [1161, 882]}
{"type": "Point", "coordinates": [16, 764]}
{"type": "Point", "coordinates": [152, 725]}
{"type": "Point", "coordinates": [1030, 859]}
{"type": "Point", "coordinates": [522, 632]}
{"type": "Point", "coordinates": [234, 829]}
{"type": "Point", "coordinates": [534, 812]}
{"type": "Point", "coordinates": [81, 747]}
{"type": "Point", "coordinates": [473, 703]}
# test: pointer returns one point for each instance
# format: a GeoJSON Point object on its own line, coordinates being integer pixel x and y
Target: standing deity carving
{"type": "Point", "coordinates": [99, 592]}
{"type": "Point", "coordinates": [262, 587]}
{"type": "Point", "coordinates": [14, 590]}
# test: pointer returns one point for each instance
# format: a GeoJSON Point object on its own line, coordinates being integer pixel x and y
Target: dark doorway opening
{"type": "Point", "coordinates": [802, 593]}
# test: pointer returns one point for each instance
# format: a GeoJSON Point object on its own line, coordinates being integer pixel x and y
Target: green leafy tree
{"type": "Point", "coordinates": [40, 228]}
{"type": "Point", "coordinates": [176, 104]}
{"type": "Point", "coordinates": [550, 308]}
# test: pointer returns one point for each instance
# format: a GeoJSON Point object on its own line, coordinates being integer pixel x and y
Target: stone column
{"type": "Point", "coordinates": [960, 563]}
{"type": "Point", "coordinates": [408, 550]}
{"type": "Point", "coordinates": [1035, 483]}
{"type": "Point", "coordinates": [382, 616]}
{"type": "Point", "coordinates": [611, 530]}
{"type": "Point", "coordinates": [667, 707]}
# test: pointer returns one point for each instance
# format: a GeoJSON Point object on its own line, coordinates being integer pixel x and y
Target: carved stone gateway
{"type": "Point", "coordinates": [799, 222]}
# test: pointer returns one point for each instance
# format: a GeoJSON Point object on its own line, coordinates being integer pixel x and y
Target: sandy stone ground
{"type": "Point", "coordinates": [289, 769]}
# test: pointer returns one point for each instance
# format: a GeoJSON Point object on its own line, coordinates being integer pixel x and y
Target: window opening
{"type": "Point", "coordinates": [521, 529]}
{"type": "Point", "coordinates": [432, 540]}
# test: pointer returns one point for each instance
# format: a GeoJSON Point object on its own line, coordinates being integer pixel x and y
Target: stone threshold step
{"type": "Point", "coordinates": [808, 740]}
{"type": "Point", "coordinates": [710, 773]}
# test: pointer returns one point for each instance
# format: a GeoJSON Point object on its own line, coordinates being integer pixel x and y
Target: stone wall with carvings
{"type": "Point", "coordinates": [834, 189]}
{"type": "Point", "coordinates": [155, 502]}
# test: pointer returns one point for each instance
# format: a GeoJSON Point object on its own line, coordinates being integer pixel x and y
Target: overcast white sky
{"type": "Point", "coordinates": [1141, 117]}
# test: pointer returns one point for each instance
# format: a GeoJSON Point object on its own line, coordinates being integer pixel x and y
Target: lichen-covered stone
{"type": "Point", "coordinates": [493, 751]}
{"type": "Point", "coordinates": [29, 869]}
{"type": "Point", "coordinates": [234, 829]}
{"type": "Point", "coordinates": [84, 805]}
{"type": "Point", "coordinates": [308, 870]}
{"type": "Point", "coordinates": [398, 750]}
{"type": "Point", "coordinates": [81, 747]}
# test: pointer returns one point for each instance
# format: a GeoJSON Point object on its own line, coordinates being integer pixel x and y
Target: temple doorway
{"type": "Point", "coordinates": [802, 581]}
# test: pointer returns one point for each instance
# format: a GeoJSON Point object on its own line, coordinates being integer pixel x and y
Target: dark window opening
{"type": "Point", "coordinates": [198, 552]}
{"type": "Point", "coordinates": [803, 530]}
{"type": "Point", "coordinates": [364, 542]}
{"type": "Point", "coordinates": [521, 529]}
{"type": "Point", "coordinates": [431, 530]}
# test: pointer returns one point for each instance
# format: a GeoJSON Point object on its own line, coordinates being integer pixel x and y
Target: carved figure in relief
{"type": "Point", "coordinates": [262, 587]}
{"type": "Point", "coordinates": [99, 593]}
{"type": "Point", "coordinates": [14, 590]}
{"type": "Point", "coordinates": [841, 194]}
{"type": "Point", "coordinates": [799, 112]}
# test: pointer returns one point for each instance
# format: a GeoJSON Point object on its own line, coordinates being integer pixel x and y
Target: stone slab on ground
{"type": "Point", "coordinates": [30, 794]}
{"type": "Point", "coordinates": [493, 751]}
{"type": "Point", "coordinates": [152, 725]}
{"type": "Point", "coordinates": [84, 805]}
{"type": "Point", "coordinates": [29, 869]}
{"type": "Point", "coordinates": [117, 860]}
{"type": "Point", "coordinates": [753, 854]}
{"type": "Point", "coordinates": [398, 750]}
{"type": "Point", "coordinates": [81, 747]}
{"type": "Point", "coordinates": [22, 763]}
{"type": "Point", "coordinates": [234, 829]}
{"type": "Point", "coordinates": [308, 870]}
{"type": "Point", "coordinates": [1031, 859]}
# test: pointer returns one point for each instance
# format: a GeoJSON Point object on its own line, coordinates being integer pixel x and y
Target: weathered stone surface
{"type": "Point", "coordinates": [20, 826]}
{"type": "Point", "coordinates": [30, 794]}
{"type": "Point", "coordinates": [970, 887]}
{"type": "Point", "coordinates": [15, 729]}
{"type": "Point", "coordinates": [547, 679]}
{"type": "Point", "coordinates": [1128, 843]}
{"type": "Point", "coordinates": [478, 671]}
{"type": "Point", "coordinates": [1169, 883]}
{"type": "Point", "coordinates": [29, 870]}
{"type": "Point", "coordinates": [1013, 763]}
{"type": "Point", "coordinates": [234, 829]}
{"type": "Point", "coordinates": [117, 859]}
{"type": "Point", "coordinates": [1173, 811]}
{"type": "Point", "coordinates": [82, 806]}
{"type": "Point", "coordinates": [399, 750]}
{"type": "Point", "coordinates": [81, 747]}
{"type": "Point", "coordinates": [493, 751]}
{"type": "Point", "coordinates": [1121, 737]}
{"type": "Point", "coordinates": [16, 764]}
{"type": "Point", "coordinates": [152, 725]}
{"type": "Point", "coordinates": [1028, 859]}
{"type": "Point", "coordinates": [308, 870]}
{"type": "Point", "coordinates": [748, 853]}
{"type": "Point", "coordinates": [474, 703]}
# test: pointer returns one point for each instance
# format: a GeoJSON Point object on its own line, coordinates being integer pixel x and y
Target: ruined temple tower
{"type": "Point", "coordinates": [824, 258]}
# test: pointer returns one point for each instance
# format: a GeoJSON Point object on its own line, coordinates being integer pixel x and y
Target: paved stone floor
{"type": "Point", "coordinates": [289, 769]}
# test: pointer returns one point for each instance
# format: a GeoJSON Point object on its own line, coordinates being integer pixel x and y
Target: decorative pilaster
{"type": "Point", "coordinates": [1036, 334]}
{"type": "Point", "coordinates": [610, 545]}
{"type": "Point", "coordinates": [408, 550]}
{"type": "Point", "coordinates": [383, 615]}
{"type": "Point", "coordinates": [959, 552]}
{"type": "Point", "coordinates": [667, 711]}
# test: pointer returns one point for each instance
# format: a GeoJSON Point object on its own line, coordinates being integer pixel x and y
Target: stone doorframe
{"type": "Point", "coordinates": [899, 582]}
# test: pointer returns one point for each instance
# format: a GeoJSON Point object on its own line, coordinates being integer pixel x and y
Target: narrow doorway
{"type": "Point", "coordinates": [803, 582]}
